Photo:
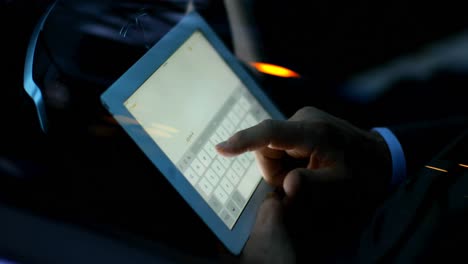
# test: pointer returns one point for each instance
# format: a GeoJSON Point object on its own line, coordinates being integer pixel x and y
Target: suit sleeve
{"type": "Point", "coordinates": [421, 141]}
{"type": "Point", "coordinates": [424, 220]}
{"type": "Point", "coordinates": [397, 155]}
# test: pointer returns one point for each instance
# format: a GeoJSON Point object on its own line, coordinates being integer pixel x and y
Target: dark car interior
{"type": "Point", "coordinates": [84, 185]}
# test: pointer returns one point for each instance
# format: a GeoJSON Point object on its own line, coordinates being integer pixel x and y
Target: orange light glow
{"type": "Point", "coordinates": [435, 168]}
{"type": "Point", "coordinates": [463, 165]}
{"type": "Point", "coordinates": [274, 70]}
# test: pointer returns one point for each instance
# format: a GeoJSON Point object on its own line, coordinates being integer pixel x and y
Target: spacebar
{"type": "Point", "coordinates": [250, 181]}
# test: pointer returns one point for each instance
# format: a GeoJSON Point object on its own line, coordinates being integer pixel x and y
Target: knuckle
{"type": "Point", "coordinates": [295, 175]}
{"type": "Point", "coordinates": [307, 113]}
{"type": "Point", "coordinates": [238, 137]}
{"type": "Point", "coordinates": [308, 110]}
{"type": "Point", "coordinates": [268, 124]}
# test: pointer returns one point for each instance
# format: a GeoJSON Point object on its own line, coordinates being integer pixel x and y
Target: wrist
{"type": "Point", "coordinates": [374, 169]}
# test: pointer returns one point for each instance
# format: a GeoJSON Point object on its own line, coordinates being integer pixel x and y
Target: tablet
{"type": "Point", "coordinates": [181, 98]}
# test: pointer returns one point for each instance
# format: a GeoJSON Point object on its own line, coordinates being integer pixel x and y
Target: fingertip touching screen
{"type": "Point", "coordinates": [187, 108]}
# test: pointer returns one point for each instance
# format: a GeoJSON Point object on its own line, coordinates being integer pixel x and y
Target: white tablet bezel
{"type": "Point", "coordinates": [113, 100]}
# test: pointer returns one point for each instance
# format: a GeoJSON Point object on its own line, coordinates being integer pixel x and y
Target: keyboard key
{"type": "Point", "coordinates": [218, 168]}
{"type": "Point", "coordinates": [227, 186]}
{"type": "Point", "coordinates": [244, 125]}
{"type": "Point", "coordinates": [191, 176]}
{"type": "Point", "coordinates": [238, 168]}
{"type": "Point", "coordinates": [244, 160]}
{"type": "Point", "coordinates": [233, 209]}
{"type": "Point", "coordinates": [221, 194]}
{"type": "Point", "coordinates": [260, 115]}
{"type": "Point", "coordinates": [238, 110]}
{"type": "Point", "coordinates": [233, 177]}
{"type": "Point", "coordinates": [204, 158]}
{"type": "Point", "coordinates": [212, 177]}
{"type": "Point", "coordinates": [244, 103]}
{"type": "Point", "coordinates": [198, 167]}
{"type": "Point", "coordinates": [215, 139]}
{"type": "Point", "coordinates": [237, 197]}
{"type": "Point", "coordinates": [225, 161]}
{"type": "Point", "coordinates": [205, 187]}
{"type": "Point", "coordinates": [187, 159]}
{"type": "Point", "coordinates": [227, 124]}
{"type": "Point", "coordinates": [215, 204]}
{"type": "Point", "coordinates": [233, 117]}
{"type": "Point", "coordinates": [251, 120]}
{"type": "Point", "coordinates": [222, 133]}
{"type": "Point", "coordinates": [210, 149]}
{"type": "Point", "coordinates": [227, 218]}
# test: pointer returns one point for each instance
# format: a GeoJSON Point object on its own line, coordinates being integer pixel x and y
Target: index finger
{"type": "Point", "coordinates": [277, 134]}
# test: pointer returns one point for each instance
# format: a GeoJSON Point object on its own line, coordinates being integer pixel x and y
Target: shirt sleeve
{"type": "Point", "coordinates": [397, 155]}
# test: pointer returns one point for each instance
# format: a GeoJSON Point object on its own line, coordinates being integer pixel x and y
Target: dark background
{"type": "Point", "coordinates": [87, 172]}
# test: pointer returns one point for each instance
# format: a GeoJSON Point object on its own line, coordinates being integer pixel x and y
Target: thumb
{"type": "Point", "coordinates": [269, 241]}
{"type": "Point", "coordinates": [270, 213]}
{"type": "Point", "coordinates": [323, 184]}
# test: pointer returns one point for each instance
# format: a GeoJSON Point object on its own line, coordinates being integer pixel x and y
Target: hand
{"type": "Point", "coordinates": [269, 241]}
{"type": "Point", "coordinates": [317, 155]}
{"type": "Point", "coordinates": [332, 174]}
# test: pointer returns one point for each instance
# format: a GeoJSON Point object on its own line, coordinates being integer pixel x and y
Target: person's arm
{"type": "Point", "coordinates": [421, 141]}
{"type": "Point", "coordinates": [427, 219]}
{"type": "Point", "coordinates": [314, 149]}
{"type": "Point", "coordinates": [412, 145]}
{"type": "Point", "coordinates": [330, 174]}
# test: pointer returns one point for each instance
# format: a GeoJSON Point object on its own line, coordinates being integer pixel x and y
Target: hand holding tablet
{"type": "Point", "coordinates": [184, 96]}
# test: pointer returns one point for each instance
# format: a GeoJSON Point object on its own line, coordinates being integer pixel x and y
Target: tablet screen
{"type": "Point", "coordinates": [187, 106]}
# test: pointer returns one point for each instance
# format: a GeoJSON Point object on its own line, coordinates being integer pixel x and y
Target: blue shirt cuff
{"type": "Point", "coordinates": [397, 155]}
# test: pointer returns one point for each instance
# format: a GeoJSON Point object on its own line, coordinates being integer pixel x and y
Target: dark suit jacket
{"type": "Point", "coordinates": [426, 219]}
